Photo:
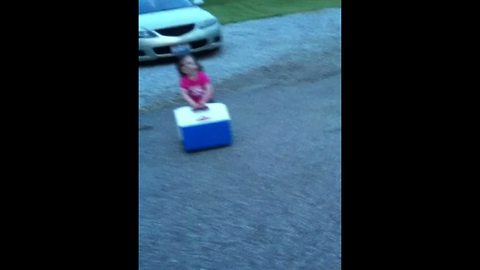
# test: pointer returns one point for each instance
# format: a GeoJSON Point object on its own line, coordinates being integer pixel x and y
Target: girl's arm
{"type": "Point", "coordinates": [188, 98]}
{"type": "Point", "coordinates": [208, 93]}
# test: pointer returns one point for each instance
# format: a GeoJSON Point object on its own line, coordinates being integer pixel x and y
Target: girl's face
{"type": "Point", "coordinates": [189, 66]}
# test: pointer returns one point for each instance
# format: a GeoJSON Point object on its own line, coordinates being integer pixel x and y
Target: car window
{"type": "Point", "coordinates": [146, 6]}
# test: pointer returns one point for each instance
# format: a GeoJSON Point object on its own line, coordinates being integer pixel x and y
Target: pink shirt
{"type": "Point", "coordinates": [195, 88]}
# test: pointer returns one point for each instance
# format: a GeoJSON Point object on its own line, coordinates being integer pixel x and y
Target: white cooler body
{"type": "Point", "coordinates": [204, 129]}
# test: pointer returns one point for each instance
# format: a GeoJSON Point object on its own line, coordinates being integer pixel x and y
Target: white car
{"type": "Point", "coordinates": [171, 27]}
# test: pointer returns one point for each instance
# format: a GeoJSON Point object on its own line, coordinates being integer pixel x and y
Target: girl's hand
{"type": "Point", "coordinates": [200, 106]}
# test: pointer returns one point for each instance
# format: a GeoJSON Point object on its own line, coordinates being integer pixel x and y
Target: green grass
{"type": "Point", "coordinates": [230, 11]}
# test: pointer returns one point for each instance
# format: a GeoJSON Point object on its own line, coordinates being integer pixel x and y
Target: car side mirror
{"type": "Point", "coordinates": [198, 2]}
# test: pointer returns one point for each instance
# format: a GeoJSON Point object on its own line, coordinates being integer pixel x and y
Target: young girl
{"type": "Point", "coordinates": [194, 83]}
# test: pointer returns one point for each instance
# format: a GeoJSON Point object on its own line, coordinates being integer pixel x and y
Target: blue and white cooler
{"type": "Point", "coordinates": [204, 128]}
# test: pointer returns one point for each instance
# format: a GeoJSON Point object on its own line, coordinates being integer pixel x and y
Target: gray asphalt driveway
{"type": "Point", "coordinates": [269, 201]}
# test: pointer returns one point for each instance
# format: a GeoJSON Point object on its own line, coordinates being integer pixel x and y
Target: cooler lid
{"type": "Point", "coordinates": [185, 116]}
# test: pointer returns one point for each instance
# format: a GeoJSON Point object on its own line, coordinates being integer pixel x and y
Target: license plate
{"type": "Point", "coordinates": [180, 49]}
